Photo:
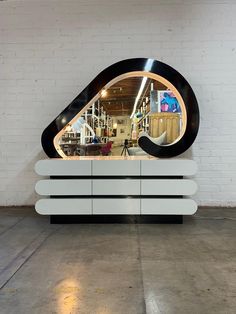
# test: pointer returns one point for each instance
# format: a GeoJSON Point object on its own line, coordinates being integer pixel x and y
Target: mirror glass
{"type": "Point", "coordinates": [131, 107]}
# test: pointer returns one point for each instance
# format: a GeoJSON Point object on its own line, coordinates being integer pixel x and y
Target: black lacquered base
{"type": "Point", "coordinates": [125, 219]}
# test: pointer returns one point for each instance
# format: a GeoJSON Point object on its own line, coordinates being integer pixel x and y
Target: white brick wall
{"type": "Point", "coordinates": [50, 50]}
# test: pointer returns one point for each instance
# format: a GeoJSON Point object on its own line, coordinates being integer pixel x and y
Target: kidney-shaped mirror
{"type": "Point", "coordinates": [134, 107]}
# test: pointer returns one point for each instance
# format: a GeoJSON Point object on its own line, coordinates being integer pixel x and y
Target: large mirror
{"type": "Point", "coordinates": [134, 107]}
{"type": "Point", "coordinates": [129, 108]}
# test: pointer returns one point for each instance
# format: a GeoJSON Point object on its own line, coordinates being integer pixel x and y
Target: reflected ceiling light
{"type": "Point", "coordinates": [147, 68]}
{"type": "Point", "coordinates": [144, 80]}
{"type": "Point", "coordinates": [103, 93]}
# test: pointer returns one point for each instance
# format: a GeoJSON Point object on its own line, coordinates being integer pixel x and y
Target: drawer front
{"type": "Point", "coordinates": [115, 206]}
{"type": "Point", "coordinates": [64, 187]}
{"type": "Point", "coordinates": [168, 167]}
{"type": "Point", "coordinates": [115, 167]}
{"type": "Point", "coordinates": [62, 167]}
{"type": "Point", "coordinates": [116, 187]}
{"type": "Point", "coordinates": [168, 206]}
{"type": "Point", "coordinates": [64, 206]}
{"type": "Point", "coordinates": [168, 187]}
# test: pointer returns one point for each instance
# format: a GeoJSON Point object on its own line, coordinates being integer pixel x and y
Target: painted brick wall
{"type": "Point", "coordinates": [50, 50]}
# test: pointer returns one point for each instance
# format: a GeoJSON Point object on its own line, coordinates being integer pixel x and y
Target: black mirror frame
{"type": "Point", "coordinates": [110, 73]}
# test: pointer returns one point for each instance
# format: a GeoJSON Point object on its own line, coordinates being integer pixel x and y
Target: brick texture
{"type": "Point", "coordinates": [50, 50]}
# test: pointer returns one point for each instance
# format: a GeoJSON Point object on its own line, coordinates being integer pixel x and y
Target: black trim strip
{"type": "Point", "coordinates": [125, 219]}
{"type": "Point", "coordinates": [114, 177]}
{"type": "Point", "coordinates": [116, 196]}
{"type": "Point", "coordinates": [106, 76]}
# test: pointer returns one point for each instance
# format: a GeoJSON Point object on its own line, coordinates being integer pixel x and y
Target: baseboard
{"type": "Point", "coordinates": [125, 219]}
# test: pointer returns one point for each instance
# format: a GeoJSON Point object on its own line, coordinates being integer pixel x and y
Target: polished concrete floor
{"type": "Point", "coordinates": [118, 268]}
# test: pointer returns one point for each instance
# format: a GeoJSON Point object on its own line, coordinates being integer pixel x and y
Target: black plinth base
{"type": "Point", "coordinates": [125, 219]}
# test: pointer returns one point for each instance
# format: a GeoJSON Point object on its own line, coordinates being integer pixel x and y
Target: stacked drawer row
{"type": "Point", "coordinates": [116, 187]}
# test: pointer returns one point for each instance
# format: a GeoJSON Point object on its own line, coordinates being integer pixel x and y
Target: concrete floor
{"type": "Point", "coordinates": [118, 269]}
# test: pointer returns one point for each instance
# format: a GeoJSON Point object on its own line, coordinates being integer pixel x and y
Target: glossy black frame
{"type": "Point", "coordinates": [110, 73]}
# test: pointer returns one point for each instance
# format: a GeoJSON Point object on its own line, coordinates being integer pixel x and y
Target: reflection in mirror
{"type": "Point", "coordinates": [131, 107]}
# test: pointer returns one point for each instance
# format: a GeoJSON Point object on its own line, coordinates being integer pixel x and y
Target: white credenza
{"type": "Point", "coordinates": [116, 187]}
